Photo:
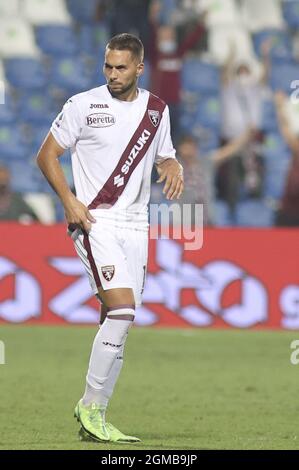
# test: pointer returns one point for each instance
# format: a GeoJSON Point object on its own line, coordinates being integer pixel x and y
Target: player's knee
{"type": "Point", "coordinates": [121, 312]}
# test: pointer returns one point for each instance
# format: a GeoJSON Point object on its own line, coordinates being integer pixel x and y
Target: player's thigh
{"type": "Point", "coordinates": [117, 297]}
{"type": "Point", "coordinates": [104, 259]}
{"type": "Point", "coordinates": [136, 251]}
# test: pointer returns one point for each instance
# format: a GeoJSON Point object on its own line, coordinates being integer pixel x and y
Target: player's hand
{"type": "Point", "coordinates": [266, 47]}
{"type": "Point", "coordinates": [280, 98]}
{"type": "Point", "coordinates": [154, 11]}
{"type": "Point", "coordinates": [171, 171]}
{"type": "Point", "coordinates": [78, 214]}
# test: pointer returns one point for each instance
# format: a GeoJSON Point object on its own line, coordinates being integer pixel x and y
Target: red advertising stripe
{"type": "Point", "coordinates": [240, 278]}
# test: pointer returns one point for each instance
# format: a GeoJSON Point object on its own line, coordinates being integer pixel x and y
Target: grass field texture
{"type": "Point", "coordinates": [179, 389]}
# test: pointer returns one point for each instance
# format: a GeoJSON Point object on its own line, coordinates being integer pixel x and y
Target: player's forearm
{"type": "Point", "coordinates": [51, 169]}
{"type": "Point", "coordinates": [266, 70]}
{"type": "Point", "coordinates": [192, 39]}
{"type": "Point", "coordinates": [286, 132]}
{"type": "Point", "coordinates": [228, 67]}
{"type": "Point", "coordinates": [233, 147]}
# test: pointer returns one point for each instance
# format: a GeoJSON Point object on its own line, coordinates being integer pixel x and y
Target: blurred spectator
{"type": "Point", "coordinates": [199, 170]}
{"type": "Point", "coordinates": [242, 99]}
{"type": "Point", "coordinates": [12, 205]}
{"type": "Point", "coordinates": [288, 213]}
{"type": "Point", "coordinates": [165, 55]}
{"type": "Point", "coordinates": [100, 11]}
{"type": "Point", "coordinates": [130, 16]}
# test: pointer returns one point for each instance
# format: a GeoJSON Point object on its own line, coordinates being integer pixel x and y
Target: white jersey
{"type": "Point", "coordinates": [114, 145]}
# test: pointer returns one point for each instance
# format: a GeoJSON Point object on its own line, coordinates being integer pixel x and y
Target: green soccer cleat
{"type": "Point", "coordinates": [115, 436]}
{"type": "Point", "coordinates": [118, 436]}
{"type": "Point", "coordinates": [84, 437]}
{"type": "Point", "coordinates": [92, 420]}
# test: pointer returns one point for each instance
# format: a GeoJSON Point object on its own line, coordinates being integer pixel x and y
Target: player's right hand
{"type": "Point", "coordinates": [78, 214]}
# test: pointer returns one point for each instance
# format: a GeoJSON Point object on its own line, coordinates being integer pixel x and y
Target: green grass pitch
{"type": "Point", "coordinates": [179, 389]}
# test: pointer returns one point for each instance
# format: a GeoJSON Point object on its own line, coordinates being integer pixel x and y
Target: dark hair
{"type": "Point", "coordinates": [187, 139]}
{"type": "Point", "coordinates": [127, 42]}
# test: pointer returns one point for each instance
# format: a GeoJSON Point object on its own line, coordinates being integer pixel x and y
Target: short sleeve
{"type": "Point", "coordinates": [165, 147]}
{"type": "Point", "coordinates": [66, 128]}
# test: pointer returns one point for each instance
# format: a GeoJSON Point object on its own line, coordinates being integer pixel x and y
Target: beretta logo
{"type": "Point", "coordinates": [100, 120]}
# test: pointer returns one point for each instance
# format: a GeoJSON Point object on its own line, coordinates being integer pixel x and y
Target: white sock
{"type": "Point", "coordinates": [112, 377]}
{"type": "Point", "coordinates": [108, 345]}
{"type": "Point", "coordinates": [93, 396]}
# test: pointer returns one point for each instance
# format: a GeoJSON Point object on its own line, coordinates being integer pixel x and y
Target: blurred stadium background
{"type": "Point", "coordinates": [229, 70]}
{"type": "Point", "coordinates": [50, 50]}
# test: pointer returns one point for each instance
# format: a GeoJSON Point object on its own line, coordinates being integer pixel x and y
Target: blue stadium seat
{"type": "Point", "coordinates": [277, 157]}
{"type": "Point", "coordinates": [40, 184]}
{"type": "Point", "coordinates": [167, 9]}
{"type": "Point", "coordinates": [7, 115]}
{"type": "Point", "coordinates": [92, 38]}
{"type": "Point", "coordinates": [275, 180]}
{"type": "Point", "coordinates": [222, 214]}
{"type": "Point", "coordinates": [25, 73]}
{"type": "Point", "coordinates": [269, 118]}
{"type": "Point", "coordinates": [274, 147]}
{"type": "Point", "coordinates": [26, 176]}
{"type": "Point", "coordinates": [209, 113]}
{"type": "Point", "coordinates": [57, 40]}
{"type": "Point", "coordinates": [95, 68]}
{"type": "Point", "coordinates": [37, 135]}
{"type": "Point", "coordinates": [291, 13]}
{"type": "Point", "coordinates": [200, 77]}
{"type": "Point", "coordinates": [83, 11]}
{"type": "Point", "coordinates": [70, 74]}
{"type": "Point", "coordinates": [59, 210]}
{"type": "Point", "coordinates": [44, 186]}
{"type": "Point", "coordinates": [281, 49]}
{"type": "Point", "coordinates": [282, 76]}
{"type": "Point", "coordinates": [187, 120]}
{"type": "Point", "coordinates": [254, 213]}
{"type": "Point", "coordinates": [35, 108]}
{"type": "Point", "coordinates": [11, 144]}
{"type": "Point", "coordinates": [66, 164]}
{"type": "Point", "coordinates": [144, 80]}
{"type": "Point", "coordinates": [208, 142]}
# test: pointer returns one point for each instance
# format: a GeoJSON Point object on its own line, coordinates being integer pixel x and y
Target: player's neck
{"type": "Point", "coordinates": [129, 95]}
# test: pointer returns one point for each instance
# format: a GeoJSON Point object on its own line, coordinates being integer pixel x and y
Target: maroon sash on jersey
{"type": "Point", "coordinates": [133, 154]}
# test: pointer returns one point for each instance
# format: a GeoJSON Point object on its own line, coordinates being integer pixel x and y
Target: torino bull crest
{"type": "Point", "coordinates": [154, 117]}
{"type": "Point", "coordinates": [108, 272]}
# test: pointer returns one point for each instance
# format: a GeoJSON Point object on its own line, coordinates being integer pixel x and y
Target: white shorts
{"type": "Point", "coordinates": [114, 255]}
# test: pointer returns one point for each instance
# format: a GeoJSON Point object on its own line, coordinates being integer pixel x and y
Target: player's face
{"type": "Point", "coordinates": [121, 70]}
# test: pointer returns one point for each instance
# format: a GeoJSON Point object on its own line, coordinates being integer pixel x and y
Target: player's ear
{"type": "Point", "coordinates": [140, 69]}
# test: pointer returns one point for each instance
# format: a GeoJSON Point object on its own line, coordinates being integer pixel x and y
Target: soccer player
{"type": "Point", "coordinates": [116, 133]}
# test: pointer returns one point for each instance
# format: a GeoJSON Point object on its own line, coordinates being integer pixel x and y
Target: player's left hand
{"type": "Point", "coordinates": [280, 98]}
{"type": "Point", "coordinates": [171, 171]}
